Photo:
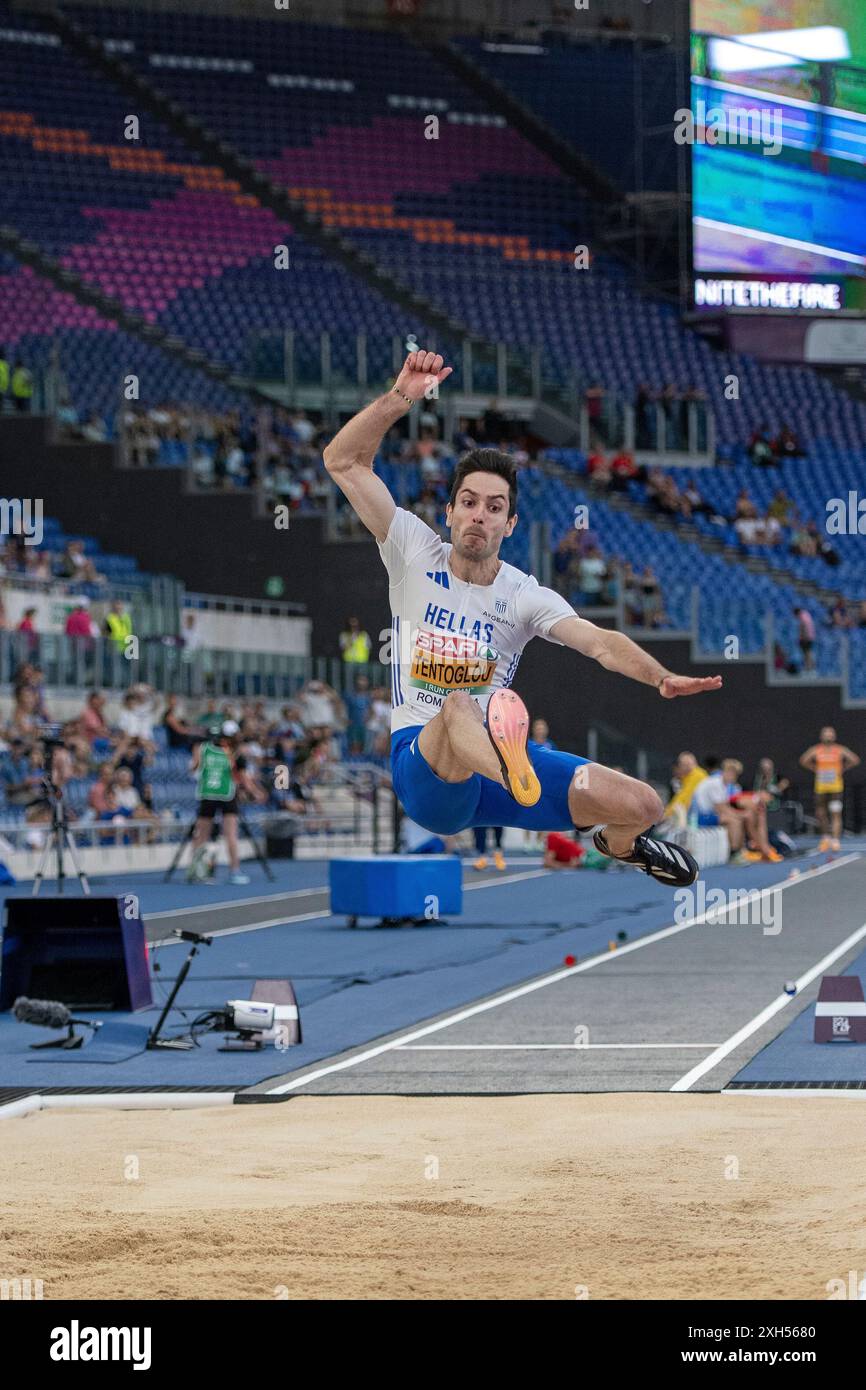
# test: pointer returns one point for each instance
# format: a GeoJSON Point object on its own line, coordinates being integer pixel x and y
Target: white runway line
{"type": "Point", "coordinates": [472, 1010]}
{"type": "Point", "coordinates": [547, 1047]}
{"type": "Point", "coordinates": [301, 916]}
{"type": "Point", "coordinates": [227, 903]}
{"type": "Point", "coordinates": [763, 1017]}
{"type": "Point", "coordinates": [236, 931]}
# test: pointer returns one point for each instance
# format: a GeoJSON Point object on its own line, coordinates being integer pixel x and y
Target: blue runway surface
{"type": "Point", "coordinates": [356, 986]}
{"type": "Point", "coordinates": [793, 1057]}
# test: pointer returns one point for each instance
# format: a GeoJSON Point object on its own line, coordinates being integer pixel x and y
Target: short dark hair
{"type": "Point", "coordinates": [487, 461]}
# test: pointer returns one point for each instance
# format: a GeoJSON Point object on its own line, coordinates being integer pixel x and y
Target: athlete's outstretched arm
{"type": "Point", "coordinates": [616, 652]}
{"type": "Point", "coordinates": [350, 454]}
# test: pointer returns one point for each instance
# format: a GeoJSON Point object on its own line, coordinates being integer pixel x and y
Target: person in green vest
{"type": "Point", "coordinates": [22, 386]}
{"type": "Point", "coordinates": [355, 643]}
{"type": "Point", "coordinates": [218, 765]}
{"type": "Point", "coordinates": [4, 379]}
{"type": "Point", "coordinates": [118, 624]}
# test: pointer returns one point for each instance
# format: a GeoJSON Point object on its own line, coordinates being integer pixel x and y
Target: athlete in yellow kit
{"type": "Point", "coordinates": [829, 761]}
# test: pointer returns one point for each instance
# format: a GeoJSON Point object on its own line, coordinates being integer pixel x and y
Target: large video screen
{"type": "Point", "coordinates": [778, 140]}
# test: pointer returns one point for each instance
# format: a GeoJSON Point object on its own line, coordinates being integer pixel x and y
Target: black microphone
{"type": "Point", "coordinates": [48, 1013]}
{"type": "Point", "coordinates": [193, 936]}
{"type": "Point", "coordinates": [45, 1013]}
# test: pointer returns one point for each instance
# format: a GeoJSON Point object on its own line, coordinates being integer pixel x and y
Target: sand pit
{"type": "Point", "coordinates": [399, 1197]}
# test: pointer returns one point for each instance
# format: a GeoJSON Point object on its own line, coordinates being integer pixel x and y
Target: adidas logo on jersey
{"type": "Point", "coordinates": [439, 577]}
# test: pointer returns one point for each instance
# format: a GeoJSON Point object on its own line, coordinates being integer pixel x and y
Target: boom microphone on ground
{"type": "Point", "coordinates": [50, 1013]}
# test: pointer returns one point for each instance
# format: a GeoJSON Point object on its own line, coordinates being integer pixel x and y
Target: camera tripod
{"type": "Point", "coordinates": [58, 839]}
{"type": "Point", "coordinates": [245, 829]}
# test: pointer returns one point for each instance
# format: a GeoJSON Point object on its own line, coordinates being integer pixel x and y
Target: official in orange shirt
{"type": "Point", "coordinates": [829, 761]}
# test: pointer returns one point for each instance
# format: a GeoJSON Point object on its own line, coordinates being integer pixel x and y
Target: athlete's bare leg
{"type": "Point", "coordinates": [836, 822]}
{"type": "Point", "coordinates": [230, 830]}
{"type": "Point", "coordinates": [622, 804]}
{"type": "Point", "coordinates": [455, 742]}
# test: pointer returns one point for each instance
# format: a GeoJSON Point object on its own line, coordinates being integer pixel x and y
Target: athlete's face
{"type": "Point", "coordinates": [828, 735]}
{"type": "Point", "coordinates": [479, 518]}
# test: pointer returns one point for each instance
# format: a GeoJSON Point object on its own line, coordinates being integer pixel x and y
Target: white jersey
{"type": "Point", "coordinates": [447, 634]}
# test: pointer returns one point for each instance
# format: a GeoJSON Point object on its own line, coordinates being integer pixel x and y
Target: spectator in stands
{"type": "Point", "coordinates": [624, 470]}
{"type": "Point", "coordinates": [651, 598]}
{"type": "Point", "coordinates": [138, 713]}
{"type": "Point", "coordinates": [687, 776]}
{"type": "Point", "coordinates": [747, 524]}
{"type": "Point", "coordinates": [782, 662]}
{"type": "Point", "coordinates": [74, 564]}
{"type": "Point", "coordinates": [771, 532]}
{"type": "Point", "coordinates": [541, 734]}
{"type": "Point", "coordinates": [118, 624]}
{"type": "Point", "coordinates": [592, 571]}
{"type": "Point", "coordinates": [787, 445]}
{"type": "Point", "coordinates": [25, 720]}
{"type": "Point", "coordinates": [320, 706]}
{"type": "Point", "coordinates": [355, 642]}
{"type": "Point", "coordinates": [300, 797]}
{"type": "Point", "coordinates": [781, 507]}
{"type": "Point", "coordinates": [599, 472]}
{"type": "Point", "coordinates": [693, 501]}
{"type": "Point", "coordinates": [100, 798]}
{"type": "Point", "coordinates": [594, 398]}
{"type": "Point", "coordinates": [22, 387]}
{"type": "Point", "coordinates": [632, 596]}
{"type": "Point", "coordinates": [712, 808]}
{"type": "Point", "coordinates": [378, 724]}
{"type": "Point", "coordinates": [760, 446]}
{"type": "Point", "coordinates": [94, 429]}
{"type": "Point", "coordinates": [806, 637]}
{"type": "Point", "coordinates": [803, 542]}
{"type": "Point", "coordinates": [838, 615]}
{"type": "Point", "coordinates": [768, 780]}
{"type": "Point", "coordinates": [21, 781]}
{"type": "Point", "coordinates": [209, 717]}
{"type": "Point", "coordinates": [135, 755]}
{"type": "Point", "coordinates": [92, 725]}
{"type": "Point", "coordinates": [27, 626]}
{"type": "Point", "coordinates": [752, 807]}
{"type": "Point", "coordinates": [358, 701]}
{"type": "Point", "coordinates": [822, 544]}
{"type": "Point", "coordinates": [79, 623]}
{"type": "Point", "coordinates": [464, 437]}
{"type": "Point", "coordinates": [37, 565]}
{"type": "Point", "coordinates": [428, 507]}
{"type": "Point", "coordinates": [127, 800]}
{"type": "Point", "coordinates": [645, 417]}
{"type": "Point", "coordinates": [178, 733]}
{"type": "Point", "coordinates": [566, 563]}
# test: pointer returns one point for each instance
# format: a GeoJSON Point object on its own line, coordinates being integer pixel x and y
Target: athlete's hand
{"type": "Point", "coordinates": [672, 686]}
{"type": "Point", "coordinates": [421, 371]}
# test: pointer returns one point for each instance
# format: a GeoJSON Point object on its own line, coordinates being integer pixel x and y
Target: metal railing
{"type": "Point", "coordinates": [83, 663]}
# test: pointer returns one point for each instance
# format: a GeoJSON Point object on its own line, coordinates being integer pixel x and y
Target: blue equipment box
{"type": "Point", "coordinates": [397, 885]}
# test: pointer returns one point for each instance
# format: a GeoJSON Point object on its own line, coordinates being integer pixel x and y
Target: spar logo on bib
{"type": "Point", "coordinates": [442, 662]}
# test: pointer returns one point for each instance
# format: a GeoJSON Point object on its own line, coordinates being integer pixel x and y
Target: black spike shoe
{"type": "Point", "coordinates": [659, 858]}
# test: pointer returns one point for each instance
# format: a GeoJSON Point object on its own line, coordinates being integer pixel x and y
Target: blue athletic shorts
{"type": "Point", "coordinates": [708, 818]}
{"type": "Point", "coordinates": [447, 807]}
